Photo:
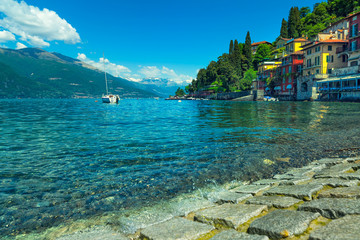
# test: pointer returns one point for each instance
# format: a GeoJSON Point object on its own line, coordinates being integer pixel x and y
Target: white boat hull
{"type": "Point", "coordinates": [110, 99]}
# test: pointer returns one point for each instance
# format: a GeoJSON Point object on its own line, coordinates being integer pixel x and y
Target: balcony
{"type": "Point", "coordinates": [341, 50]}
{"type": "Point", "coordinates": [345, 71]}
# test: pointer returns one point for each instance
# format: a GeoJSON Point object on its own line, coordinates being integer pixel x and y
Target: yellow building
{"type": "Point", "coordinates": [294, 45]}
{"type": "Point", "coordinates": [320, 57]}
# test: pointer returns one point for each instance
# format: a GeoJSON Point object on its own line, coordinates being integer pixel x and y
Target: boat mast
{"type": "Point", "coordinates": [107, 93]}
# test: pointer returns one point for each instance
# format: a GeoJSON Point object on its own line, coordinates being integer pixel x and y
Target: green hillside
{"type": "Point", "coordinates": [35, 73]}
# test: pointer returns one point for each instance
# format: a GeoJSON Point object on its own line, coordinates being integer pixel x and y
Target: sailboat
{"type": "Point", "coordinates": [109, 98]}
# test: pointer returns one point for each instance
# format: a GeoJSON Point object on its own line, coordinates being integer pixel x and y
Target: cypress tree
{"type": "Point", "coordinates": [284, 29]}
{"type": "Point", "coordinates": [247, 51]}
{"type": "Point", "coordinates": [231, 48]}
{"type": "Point", "coordinates": [237, 57]}
{"type": "Point", "coordinates": [294, 23]}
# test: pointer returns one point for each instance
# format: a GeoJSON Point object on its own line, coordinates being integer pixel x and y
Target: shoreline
{"type": "Point", "coordinates": [209, 214]}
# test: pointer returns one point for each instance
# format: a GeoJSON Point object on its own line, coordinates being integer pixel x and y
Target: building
{"type": "Point", "coordinates": [288, 72]}
{"type": "Point", "coordinates": [266, 71]}
{"type": "Point", "coordinates": [254, 46]}
{"type": "Point", "coordinates": [340, 29]}
{"type": "Point", "coordinates": [320, 60]}
{"type": "Point", "coordinates": [294, 45]}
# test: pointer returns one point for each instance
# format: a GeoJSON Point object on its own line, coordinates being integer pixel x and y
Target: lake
{"type": "Point", "coordinates": [80, 161]}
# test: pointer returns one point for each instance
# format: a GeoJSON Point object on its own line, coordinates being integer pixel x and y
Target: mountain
{"type": "Point", "coordinates": [35, 73]}
{"type": "Point", "coordinates": [161, 86]}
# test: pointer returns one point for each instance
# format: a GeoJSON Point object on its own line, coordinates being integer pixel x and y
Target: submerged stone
{"type": "Point", "coordinates": [300, 191]}
{"type": "Point", "coordinates": [282, 223]}
{"type": "Point", "coordinates": [274, 201]}
{"type": "Point", "coordinates": [252, 189]}
{"type": "Point", "coordinates": [234, 235]}
{"type": "Point", "coordinates": [176, 228]}
{"type": "Point", "coordinates": [342, 228]}
{"type": "Point", "coordinates": [229, 215]}
{"type": "Point", "coordinates": [332, 207]}
{"type": "Point", "coordinates": [344, 192]}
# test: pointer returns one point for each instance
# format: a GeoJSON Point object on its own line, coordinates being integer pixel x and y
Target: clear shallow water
{"type": "Point", "coordinates": [69, 160]}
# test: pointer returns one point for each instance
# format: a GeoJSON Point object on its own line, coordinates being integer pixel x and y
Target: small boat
{"type": "Point", "coordinates": [109, 98]}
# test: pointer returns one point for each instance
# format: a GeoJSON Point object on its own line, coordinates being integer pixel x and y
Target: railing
{"type": "Point", "coordinates": [345, 71]}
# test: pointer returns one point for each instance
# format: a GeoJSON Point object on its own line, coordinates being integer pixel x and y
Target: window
{"type": "Point", "coordinates": [308, 52]}
{"type": "Point", "coordinates": [353, 45]}
{"type": "Point", "coordinates": [354, 18]}
{"type": "Point", "coordinates": [299, 57]}
{"type": "Point", "coordinates": [354, 30]}
{"type": "Point", "coordinates": [344, 58]}
{"type": "Point", "coordinates": [290, 70]}
{"type": "Point", "coordinates": [353, 63]}
{"type": "Point", "coordinates": [317, 71]}
{"type": "Point", "coordinates": [317, 49]}
{"type": "Point", "coordinates": [329, 48]}
{"type": "Point", "coordinates": [289, 79]}
{"type": "Point", "coordinates": [329, 71]}
{"type": "Point", "coordinates": [317, 61]}
{"type": "Point", "coordinates": [283, 79]}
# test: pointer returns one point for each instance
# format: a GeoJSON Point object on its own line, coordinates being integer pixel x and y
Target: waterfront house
{"type": "Point", "coordinates": [294, 45]}
{"type": "Point", "coordinates": [320, 60]}
{"type": "Point", "coordinates": [340, 29]}
{"type": "Point", "coordinates": [290, 69]}
{"type": "Point", "coordinates": [281, 43]}
{"type": "Point", "coordinates": [254, 46]}
{"type": "Point", "coordinates": [266, 71]}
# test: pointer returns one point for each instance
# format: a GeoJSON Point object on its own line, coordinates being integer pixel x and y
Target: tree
{"type": "Point", "coordinates": [284, 29]}
{"type": "Point", "coordinates": [262, 52]}
{"type": "Point", "coordinates": [237, 58]}
{"type": "Point", "coordinates": [231, 47]}
{"type": "Point", "coordinates": [246, 81]}
{"type": "Point", "coordinates": [179, 92]}
{"type": "Point", "coordinates": [294, 23]}
{"type": "Point", "coordinates": [247, 52]}
{"type": "Point", "coordinates": [304, 11]}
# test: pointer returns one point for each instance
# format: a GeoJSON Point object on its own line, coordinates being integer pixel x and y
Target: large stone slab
{"type": "Point", "coordinates": [343, 192]}
{"type": "Point", "coordinates": [350, 176]}
{"type": "Point", "coordinates": [295, 181]}
{"type": "Point", "coordinates": [282, 223]}
{"type": "Point", "coordinates": [228, 197]}
{"type": "Point", "coordinates": [234, 235]}
{"type": "Point", "coordinates": [229, 215]}
{"type": "Point", "coordinates": [332, 207]}
{"type": "Point", "coordinates": [95, 233]}
{"type": "Point", "coordinates": [300, 191]}
{"type": "Point", "coordinates": [273, 201]}
{"type": "Point", "coordinates": [270, 182]}
{"type": "Point", "coordinates": [335, 182]}
{"type": "Point", "coordinates": [329, 161]}
{"type": "Point", "coordinates": [342, 228]}
{"type": "Point", "coordinates": [252, 189]}
{"type": "Point", "coordinates": [176, 228]}
{"type": "Point", "coordinates": [337, 170]}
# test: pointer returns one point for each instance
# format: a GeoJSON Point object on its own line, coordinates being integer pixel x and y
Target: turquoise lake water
{"type": "Point", "coordinates": [64, 161]}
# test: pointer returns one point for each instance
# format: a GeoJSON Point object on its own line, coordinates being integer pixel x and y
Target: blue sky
{"type": "Point", "coordinates": [169, 39]}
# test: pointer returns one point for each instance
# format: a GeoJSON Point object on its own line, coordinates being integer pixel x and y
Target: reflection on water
{"type": "Point", "coordinates": [65, 160]}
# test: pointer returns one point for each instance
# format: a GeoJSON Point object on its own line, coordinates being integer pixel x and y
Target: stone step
{"type": "Point", "coordinates": [176, 228]}
{"type": "Point", "coordinates": [250, 189]}
{"type": "Point", "coordinates": [229, 215]}
{"type": "Point", "coordinates": [234, 235]}
{"type": "Point", "coordinates": [299, 191]}
{"type": "Point", "coordinates": [282, 223]}
{"type": "Point", "coordinates": [342, 228]}
{"type": "Point", "coordinates": [274, 201]}
{"type": "Point", "coordinates": [332, 207]}
{"type": "Point", "coordinates": [343, 192]}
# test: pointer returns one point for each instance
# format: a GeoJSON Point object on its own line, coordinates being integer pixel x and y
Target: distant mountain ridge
{"type": "Point", "coordinates": [163, 87]}
{"type": "Point", "coordinates": [36, 73]}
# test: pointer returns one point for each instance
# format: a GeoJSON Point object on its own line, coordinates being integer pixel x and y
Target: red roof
{"type": "Point", "coordinates": [300, 40]}
{"type": "Point", "coordinates": [325, 41]}
{"type": "Point", "coordinates": [258, 43]}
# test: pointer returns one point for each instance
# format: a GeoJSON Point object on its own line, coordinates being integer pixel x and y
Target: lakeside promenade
{"type": "Point", "coordinates": [318, 201]}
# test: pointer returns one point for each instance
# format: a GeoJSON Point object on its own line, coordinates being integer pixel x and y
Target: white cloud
{"type": "Point", "coordinates": [36, 26]}
{"type": "Point", "coordinates": [20, 45]}
{"type": "Point", "coordinates": [150, 71]}
{"type": "Point", "coordinates": [112, 68]}
{"type": "Point", "coordinates": [6, 36]}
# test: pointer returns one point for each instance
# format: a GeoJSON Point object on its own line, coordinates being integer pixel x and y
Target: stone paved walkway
{"type": "Point", "coordinates": [319, 201]}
